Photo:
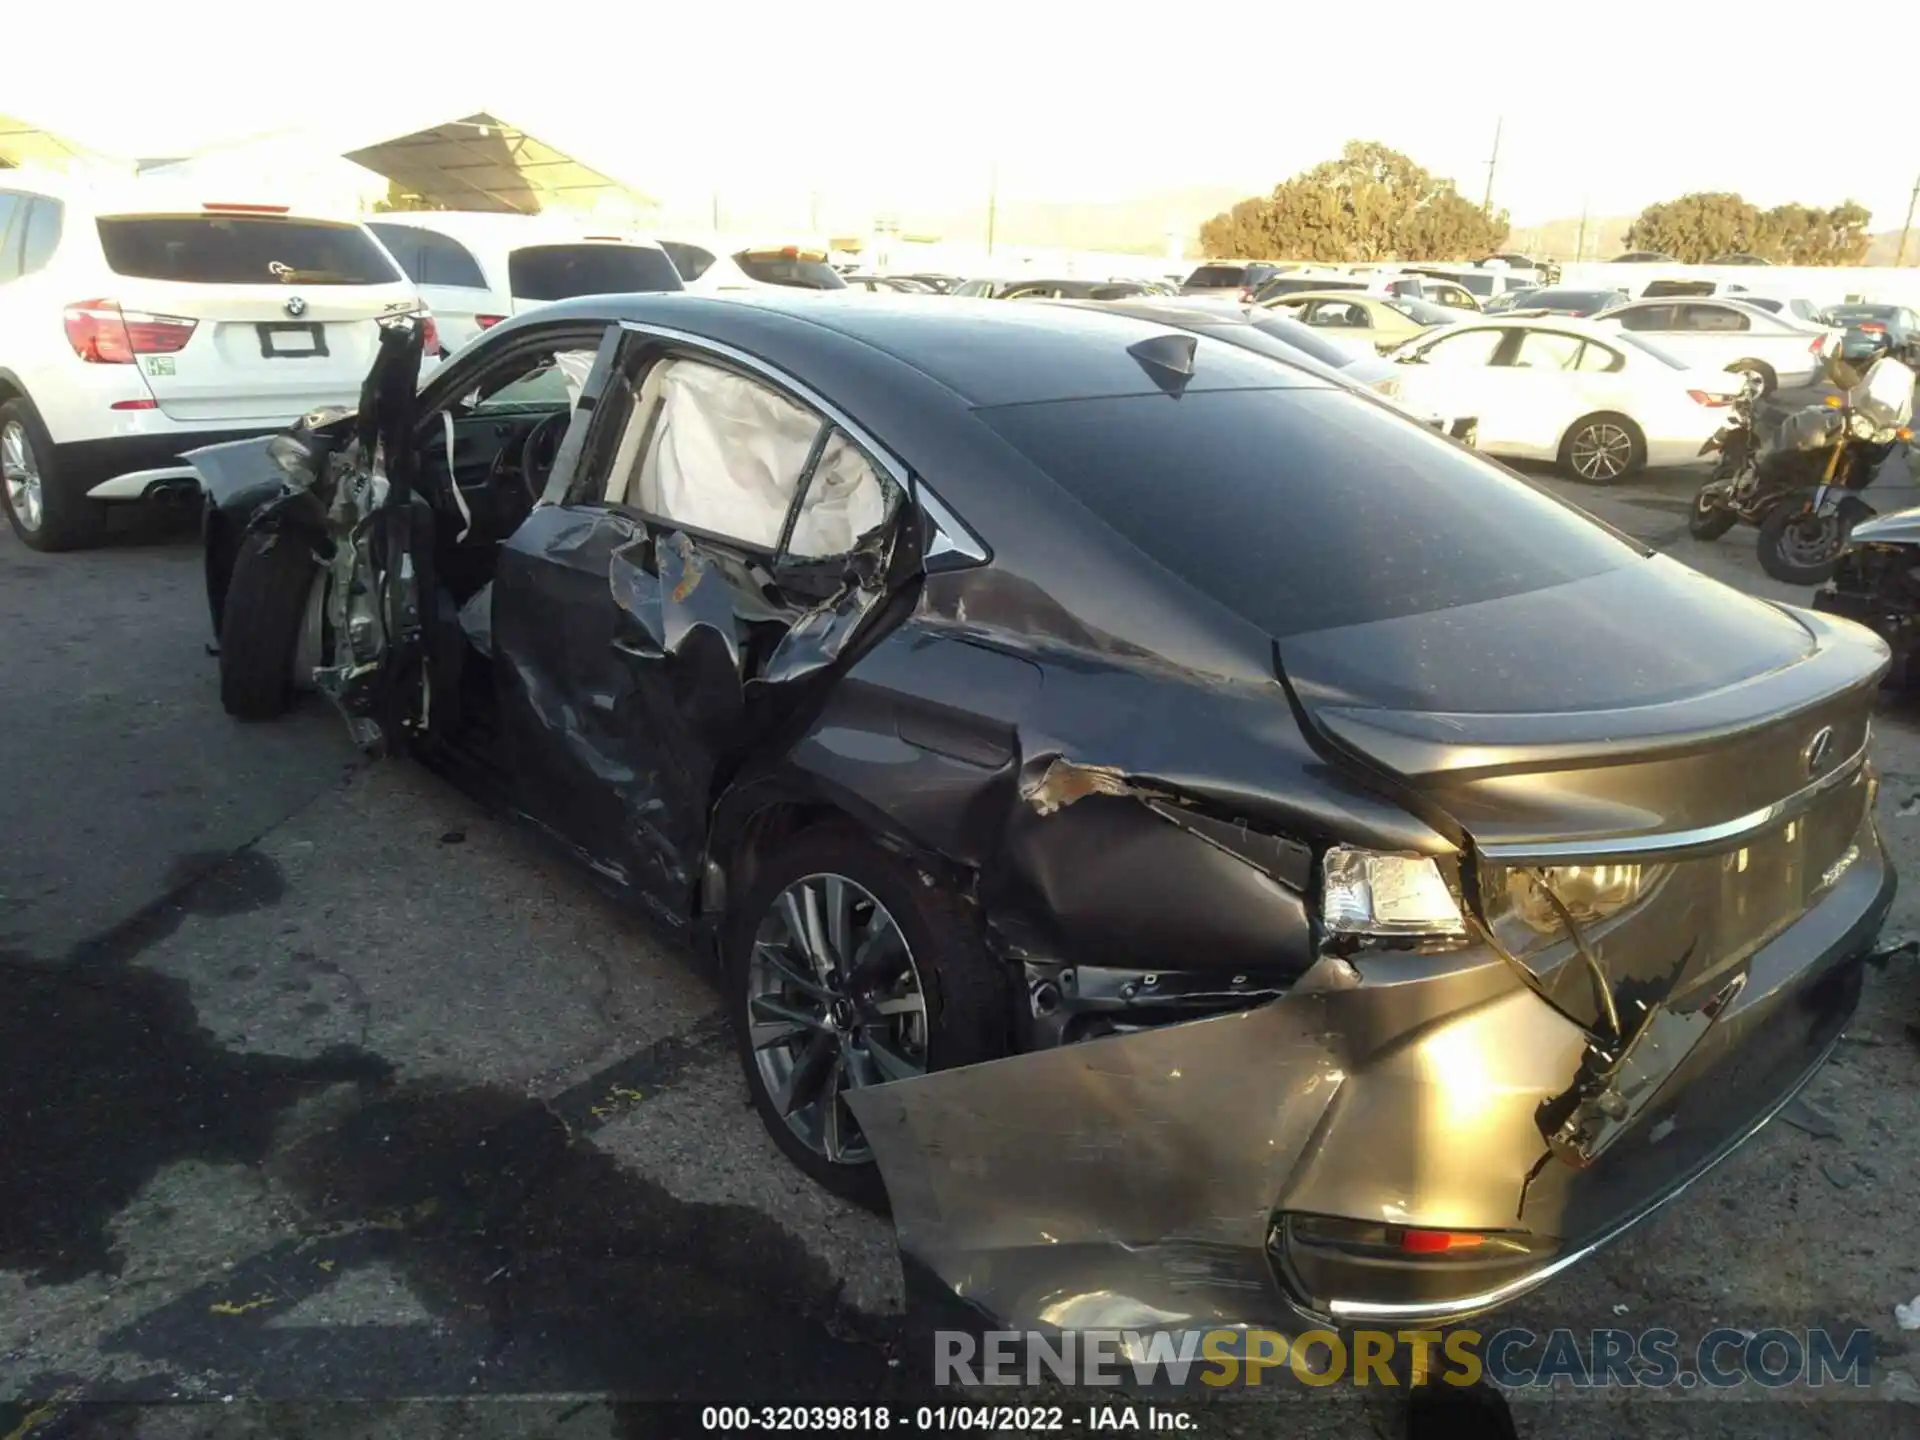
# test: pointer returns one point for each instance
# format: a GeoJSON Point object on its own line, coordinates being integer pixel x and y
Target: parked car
{"type": "Point", "coordinates": [1592, 398]}
{"type": "Point", "coordinates": [1644, 257]}
{"type": "Point", "coordinates": [1570, 300]}
{"type": "Point", "coordinates": [888, 284]}
{"type": "Point", "coordinates": [1670, 288]}
{"type": "Point", "coordinates": [1510, 300]}
{"type": "Point", "coordinates": [711, 268]}
{"type": "Point", "coordinates": [1727, 335]}
{"type": "Point", "coordinates": [1238, 279]}
{"type": "Point", "coordinates": [1364, 324]}
{"type": "Point", "coordinates": [1265, 786]}
{"type": "Point", "coordinates": [1300, 282]}
{"type": "Point", "coordinates": [1485, 286]}
{"type": "Point", "coordinates": [476, 269]}
{"type": "Point", "coordinates": [940, 284]}
{"type": "Point", "coordinates": [1875, 330]}
{"type": "Point", "coordinates": [141, 320]}
{"type": "Point", "coordinates": [1269, 332]}
{"type": "Point", "coordinates": [1739, 257]}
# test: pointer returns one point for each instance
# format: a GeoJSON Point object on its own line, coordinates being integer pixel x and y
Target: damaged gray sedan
{"type": "Point", "coordinates": [1203, 848]}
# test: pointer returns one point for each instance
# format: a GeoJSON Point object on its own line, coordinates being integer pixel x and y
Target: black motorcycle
{"type": "Point", "coordinates": [1803, 488]}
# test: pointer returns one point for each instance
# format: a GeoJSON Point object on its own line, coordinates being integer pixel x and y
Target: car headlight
{"type": "Point", "coordinates": [1365, 892]}
{"type": "Point", "coordinates": [1587, 893]}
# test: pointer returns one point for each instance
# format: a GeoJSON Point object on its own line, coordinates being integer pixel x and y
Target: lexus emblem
{"type": "Point", "coordinates": [297, 307]}
{"type": "Point", "coordinates": [1819, 750]}
{"type": "Point", "coordinates": [280, 270]}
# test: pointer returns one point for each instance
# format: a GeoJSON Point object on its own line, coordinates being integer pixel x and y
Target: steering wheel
{"type": "Point", "coordinates": [539, 450]}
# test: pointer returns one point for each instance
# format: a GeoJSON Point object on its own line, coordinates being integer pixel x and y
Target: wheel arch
{"type": "Point", "coordinates": [12, 389]}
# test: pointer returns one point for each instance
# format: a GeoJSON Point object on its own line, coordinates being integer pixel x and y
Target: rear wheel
{"type": "Point", "coordinates": [266, 605]}
{"type": "Point", "coordinates": [1601, 449]}
{"type": "Point", "coordinates": [847, 968]}
{"type": "Point", "coordinates": [46, 508]}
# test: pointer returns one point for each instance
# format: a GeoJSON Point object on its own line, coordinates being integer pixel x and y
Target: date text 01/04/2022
{"type": "Point", "coordinates": [986, 1419]}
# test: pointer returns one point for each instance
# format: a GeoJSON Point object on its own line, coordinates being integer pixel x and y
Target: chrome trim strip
{"type": "Point", "coordinates": [1700, 838]}
{"type": "Point", "coordinates": [1460, 1309]}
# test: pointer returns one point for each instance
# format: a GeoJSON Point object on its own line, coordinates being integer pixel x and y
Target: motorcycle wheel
{"type": "Point", "coordinates": [1709, 520]}
{"type": "Point", "coordinates": [1798, 547]}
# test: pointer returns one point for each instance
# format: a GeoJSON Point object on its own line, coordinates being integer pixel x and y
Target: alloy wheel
{"type": "Point", "coordinates": [20, 470]}
{"type": "Point", "coordinates": [834, 1002]}
{"type": "Point", "coordinates": [1602, 451]}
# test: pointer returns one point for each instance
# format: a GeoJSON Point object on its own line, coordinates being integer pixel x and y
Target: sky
{"type": "Point", "coordinates": [920, 105]}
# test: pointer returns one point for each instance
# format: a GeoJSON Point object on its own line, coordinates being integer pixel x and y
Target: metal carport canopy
{"type": "Point", "coordinates": [483, 163]}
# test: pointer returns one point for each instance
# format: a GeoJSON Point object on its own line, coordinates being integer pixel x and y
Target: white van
{"type": "Point", "coordinates": [477, 268]}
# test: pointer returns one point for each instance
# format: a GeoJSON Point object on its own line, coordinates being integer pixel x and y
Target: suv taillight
{"type": "Point", "coordinates": [429, 334]}
{"type": "Point", "coordinates": [101, 333]}
{"type": "Point", "coordinates": [487, 322]}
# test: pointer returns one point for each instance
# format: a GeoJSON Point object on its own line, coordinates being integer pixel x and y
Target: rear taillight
{"type": "Point", "coordinates": [1712, 402]}
{"type": "Point", "coordinates": [487, 322]}
{"type": "Point", "coordinates": [1819, 344]}
{"type": "Point", "coordinates": [101, 333]}
{"type": "Point", "coordinates": [1246, 297]}
{"type": "Point", "coordinates": [429, 334]}
{"type": "Point", "coordinates": [147, 404]}
{"type": "Point", "coordinates": [1873, 327]}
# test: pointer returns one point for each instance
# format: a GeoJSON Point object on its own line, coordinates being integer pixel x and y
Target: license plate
{"type": "Point", "coordinates": [286, 341]}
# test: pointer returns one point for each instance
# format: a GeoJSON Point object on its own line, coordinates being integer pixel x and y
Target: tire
{"type": "Point", "coordinates": [1783, 554]}
{"type": "Point", "coordinates": [1616, 435]}
{"type": "Point", "coordinates": [962, 986]}
{"type": "Point", "coordinates": [1708, 521]}
{"type": "Point", "coordinates": [44, 501]}
{"type": "Point", "coordinates": [266, 603]}
{"type": "Point", "coordinates": [1769, 378]}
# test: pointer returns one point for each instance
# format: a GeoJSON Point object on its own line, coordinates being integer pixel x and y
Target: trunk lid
{"type": "Point", "coordinates": [1724, 767]}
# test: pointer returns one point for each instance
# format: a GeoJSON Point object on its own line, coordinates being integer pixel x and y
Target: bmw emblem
{"type": "Point", "coordinates": [296, 307]}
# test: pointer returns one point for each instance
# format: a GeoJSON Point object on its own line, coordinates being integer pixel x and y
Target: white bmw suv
{"type": "Point", "coordinates": [138, 322]}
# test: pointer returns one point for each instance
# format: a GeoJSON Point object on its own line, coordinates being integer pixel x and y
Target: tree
{"type": "Point", "coordinates": [399, 199]}
{"type": "Point", "coordinates": [1371, 203]}
{"type": "Point", "coordinates": [1697, 227]}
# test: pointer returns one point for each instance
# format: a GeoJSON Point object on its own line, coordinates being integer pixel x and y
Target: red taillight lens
{"type": "Point", "coordinates": [1873, 327]}
{"type": "Point", "coordinates": [101, 333]}
{"type": "Point", "coordinates": [429, 334]}
{"type": "Point", "coordinates": [1246, 297]}
{"type": "Point", "coordinates": [135, 405]}
{"type": "Point", "coordinates": [1712, 402]}
{"type": "Point", "coordinates": [487, 322]}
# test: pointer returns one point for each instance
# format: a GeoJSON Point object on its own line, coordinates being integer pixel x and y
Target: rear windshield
{"type": "Point", "coordinates": [773, 268]}
{"type": "Point", "coordinates": [1572, 299]}
{"type": "Point", "coordinates": [1219, 275]}
{"type": "Point", "coordinates": [1862, 312]}
{"type": "Point", "coordinates": [560, 272]}
{"type": "Point", "coordinates": [1271, 502]}
{"type": "Point", "coordinates": [243, 250]}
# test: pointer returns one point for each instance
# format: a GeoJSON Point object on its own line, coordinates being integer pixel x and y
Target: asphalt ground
{"type": "Point", "coordinates": [342, 1108]}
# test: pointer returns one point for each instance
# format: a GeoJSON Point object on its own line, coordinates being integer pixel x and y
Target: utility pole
{"type": "Point", "coordinates": [1486, 205]}
{"type": "Point", "coordinates": [1900, 255]}
{"type": "Point", "coordinates": [993, 198]}
{"type": "Point", "coordinates": [716, 212]}
{"type": "Point", "coordinates": [1580, 245]}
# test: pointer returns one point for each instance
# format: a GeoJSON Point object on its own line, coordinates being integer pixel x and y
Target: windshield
{"type": "Point", "coordinates": [1269, 502]}
{"type": "Point", "coordinates": [560, 272]}
{"type": "Point", "coordinates": [1862, 312]}
{"type": "Point", "coordinates": [1420, 311]}
{"type": "Point", "coordinates": [1218, 277]}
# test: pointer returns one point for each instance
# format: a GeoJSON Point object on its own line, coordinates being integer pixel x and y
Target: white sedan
{"type": "Point", "coordinates": [1729, 334]}
{"type": "Point", "coordinates": [1598, 401]}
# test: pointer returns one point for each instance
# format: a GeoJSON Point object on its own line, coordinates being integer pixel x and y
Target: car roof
{"type": "Point", "coordinates": [983, 352]}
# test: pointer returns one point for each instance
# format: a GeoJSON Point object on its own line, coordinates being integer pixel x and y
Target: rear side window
{"type": "Point", "coordinates": [430, 258]}
{"type": "Point", "coordinates": [11, 209]}
{"type": "Point", "coordinates": [777, 267]}
{"type": "Point", "coordinates": [243, 250]}
{"type": "Point", "coordinates": [560, 272]}
{"type": "Point", "coordinates": [42, 235]}
{"type": "Point", "coordinates": [1267, 501]}
{"type": "Point", "coordinates": [1712, 317]}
